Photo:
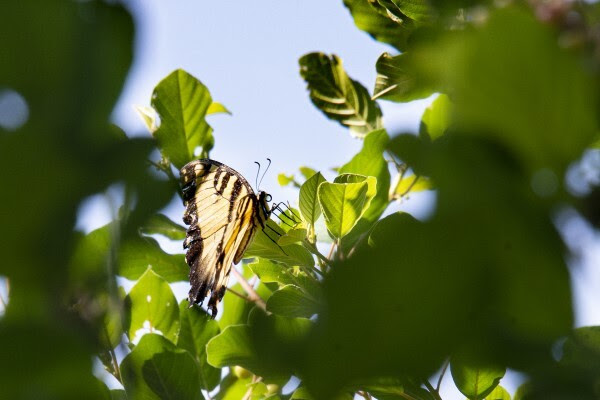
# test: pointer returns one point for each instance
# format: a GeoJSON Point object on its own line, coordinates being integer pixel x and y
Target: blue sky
{"type": "Point", "coordinates": [247, 54]}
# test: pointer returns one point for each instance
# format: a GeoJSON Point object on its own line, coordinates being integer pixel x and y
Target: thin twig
{"type": "Point", "coordinates": [331, 250]}
{"type": "Point", "coordinates": [113, 356]}
{"type": "Point", "coordinates": [444, 368]}
{"type": "Point", "coordinates": [255, 379]}
{"type": "Point", "coordinates": [238, 294]}
{"type": "Point", "coordinates": [252, 295]}
{"type": "Point", "coordinates": [431, 390]}
{"type": "Point", "coordinates": [366, 395]}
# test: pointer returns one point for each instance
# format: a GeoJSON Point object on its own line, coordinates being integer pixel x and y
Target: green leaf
{"type": "Point", "coordinates": [337, 95]}
{"type": "Point", "coordinates": [309, 203]}
{"type": "Point", "coordinates": [156, 369]}
{"type": "Point", "coordinates": [162, 225]}
{"type": "Point", "coordinates": [370, 162]}
{"type": "Point", "coordinates": [418, 10]}
{"type": "Point", "coordinates": [284, 179]}
{"type": "Point", "coordinates": [291, 301]}
{"type": "Point", "coordinates": [197, 328]}
{"type": "Point", "coordinates": [474, 378]}
{"type": "Point", "coordinates": [269, 271]}
{"type": "Point", "coordinates": [235, 309]}
{"type": "Point", "coordinates": [216, 108]}
{"type": "Point", "coordinates": [182, 102]}
{"type": "Point", "coordinates": [582, 349]}
{"type": "Point", "coordinates": [344, 203]}
{"type": "Point", "coordinates": [410, 184]}
{"type": "Point", "coordinates": [545, 125]}
{"type": "Point", "coordinates": [397, 79]}
{"type": "Point", "coordinates": [233, 388]}
{"type": "Point", "coordinates": [148, 116]}
{"type": "Point", "coordinates": [118, 394]}
{"type": "Point", "coordinates": [151, 307]}
{"type": "Point", "coordinates": [381, 27]}
{"type": "Point", "coordinates": [294, 235]}
{"type": "Point", "coordinates": [307, 172]}
{"type": "Point", "coordinates": [140, 253]}
{"type": "Point", "coordinates": [264, 246]}
{"type": "Point", "coordinates": [436, 118]}
{"type": "Point", "coordinates": [499, 393]}
{"type": "Point", "coordinates": [232, 347]}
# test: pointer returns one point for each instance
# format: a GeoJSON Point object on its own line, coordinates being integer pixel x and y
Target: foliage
{"type": "Point", "coordinates": [479, 287]}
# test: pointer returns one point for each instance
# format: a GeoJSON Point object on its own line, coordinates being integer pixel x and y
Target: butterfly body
{"type": "Point", "coordinates": [223, 214]}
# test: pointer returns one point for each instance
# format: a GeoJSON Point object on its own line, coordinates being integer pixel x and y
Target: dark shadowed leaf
{"type": "Point", "coordinates": [337, 95]}
{"type": "Point", "coordinates": [292, 301]}
{"type": "Point", "coordinates": [157, 369]}
{"type": "Point", "coordinates": [161, 224]}
{"type": "Point", "coordinates": [397, 80]}
{"type": "Point", "coordinates": [196, 329]}
{"type": "Point", "coordinates": [380, 26]}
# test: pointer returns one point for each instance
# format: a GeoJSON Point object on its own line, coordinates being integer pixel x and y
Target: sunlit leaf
{"type": "Point", "coordinates": [148, 116]}
{"type": "Point", "coordinates": [309, 203]}
{"type": "Point", "coordinates": [344, 203]}
{"type": "Point", "coordinates": [292, 236]}
{"type": "Point", "coordinates": [152, 308]}
{"type": "Point", "coordinates": [499, 393]}
{"type": "Point", "coordinates": [264, 245]}
{"type": "Point", "coordinates": [475, 378]}
{"type": "Point", "coordinates": [397, 80]}
{"type": "Point", "coordinates": [157, 369]}
{"type": "Point", "coordinates": [337, 95]}
{"type": "Point", "coordinates": [216, 108]}
{"type": "Point", "coordinates": [370, 162]}
{"type": "Point", "coordinates": [436, 118]}
{"type": "Point", "coordinates": [197, 328]}
{"type": "Point", "coordinates": [182, 102]}
{"type": "Point", "coordinates": [410, 184]}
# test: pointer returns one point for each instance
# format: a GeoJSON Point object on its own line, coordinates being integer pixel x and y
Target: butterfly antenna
{"type": "Point", "coordinates": [264, 173]}
{"type": "Point", "coordinates": [257, 172]}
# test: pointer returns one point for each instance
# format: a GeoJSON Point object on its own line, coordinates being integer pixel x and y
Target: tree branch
{"type": "Point", "coordinates": [252, 295]}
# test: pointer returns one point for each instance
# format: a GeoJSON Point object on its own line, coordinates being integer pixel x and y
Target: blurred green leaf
{"type": "Point", "coordinates": [118, 394]}
{"type": "Point", "coordinates": [309, 204]}
{"type": "Point", "coordinates": [499, 393]}
{"type": "Point", "coordinates": [410, 184]}
{"type": "Point", "coordinates": [370, 162]}
{"type": "Point", "coordinates": [235, 309]}
{"type": "Point", "coordinates": [307, 172]}
{"type": "Point", "coordinates": [397, 80]}
{"type": "Point", "coordinates": [344, 203]}
{"type": "Point", "coordinates": [232, 347]}
{"type": "Point", "coordinates": [233, 388]}
{"type": "Point", "coordinates": [197, 328]}
{"type": "Point", "coordinates": [581, 350]}
{"type": "Point", "coordinates": [162, 225]}
{"type": "Point", "coordinates": [436, 118]}
{"type": "Point", "coordinates": [182, 102]}
{"type": "Point", "coordinates": [473, 377]}
{"type": "Point", "coordinates": [551, 120]}
{"type": "Point", "coordinates": [292, 236]}
{"type": "Point", "coordinates": [285, 180]}
{"type": "Point", "coordinates": [217, 108]}
{"type": "Point", "coordinates": [151, 306]}
{"type": "Point", "coordinates": [157, 369]}
{"type": "Point", "coordinates": [264, 245]}
{"type": "Point", "coordinates": [337, 95]}
{"type": "Point", "coordinates": [379, 26]}
{"type": "Point", "coordinates": [418, 10]}
{"type": "Point", "coordinates": [140, 253]}
{"type": "Point", "coordinates": [291, 301]}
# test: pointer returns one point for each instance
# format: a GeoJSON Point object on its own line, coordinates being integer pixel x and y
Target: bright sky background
{"type": "Point", "coordinates": [247, 53]}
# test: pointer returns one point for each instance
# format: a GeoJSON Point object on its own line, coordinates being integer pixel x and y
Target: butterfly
{"type": "Point", "coordinates": [223, 214]}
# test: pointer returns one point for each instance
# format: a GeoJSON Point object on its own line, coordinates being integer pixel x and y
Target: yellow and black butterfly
{"type": "Point", "coordinates": [223, 214]}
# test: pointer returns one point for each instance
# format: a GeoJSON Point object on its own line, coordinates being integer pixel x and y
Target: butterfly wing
{"type": "Point", "coordinates": [221, 210]}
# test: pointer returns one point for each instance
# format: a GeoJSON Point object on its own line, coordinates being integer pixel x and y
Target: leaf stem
{"type": "Point", "coordinates": [313, 249]}
{"type": "Point", "coordinates": [252, 295]}
{"type": "Point", "coordinates": [113, 357]}
{"type": "Point", "coordinates": [444, 368]}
